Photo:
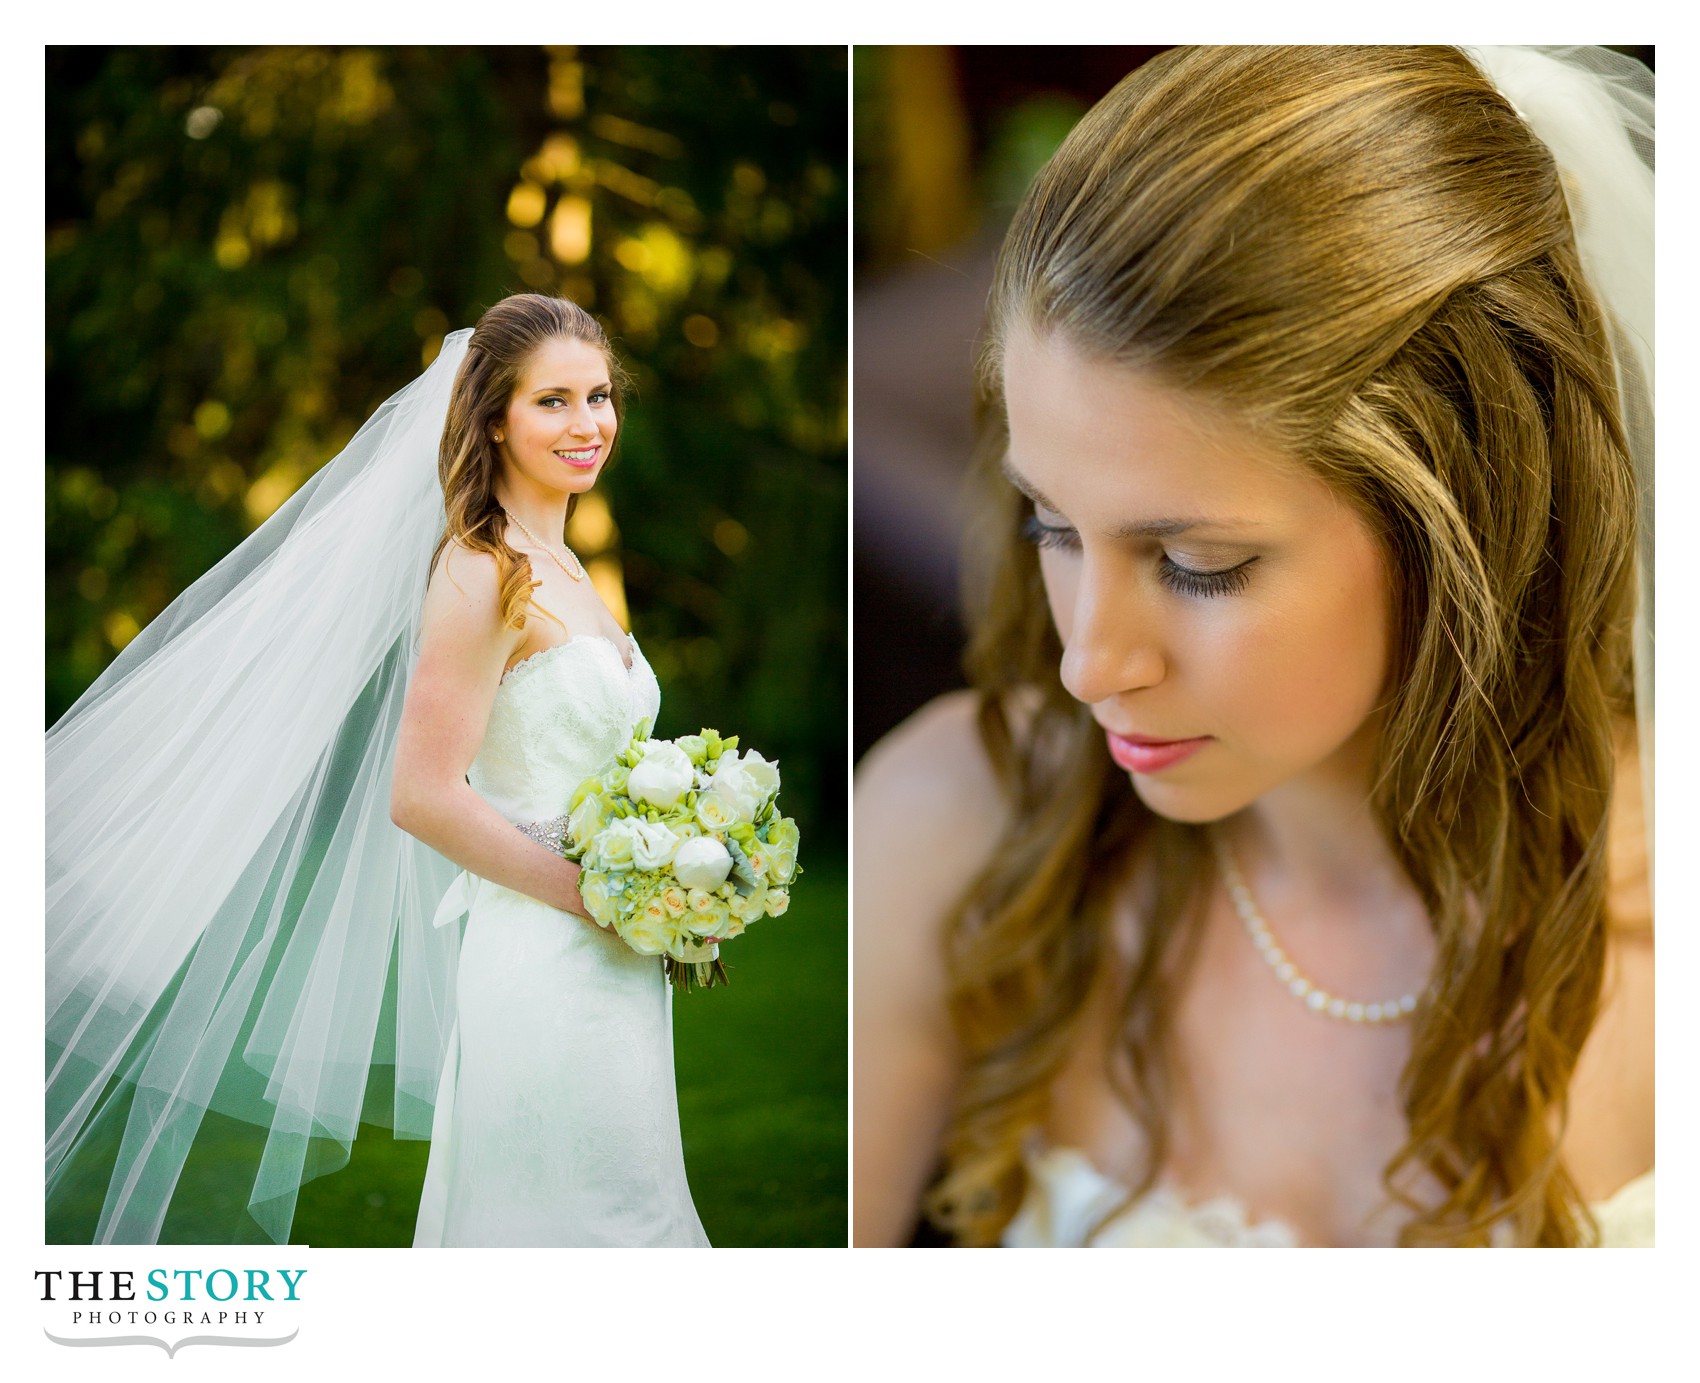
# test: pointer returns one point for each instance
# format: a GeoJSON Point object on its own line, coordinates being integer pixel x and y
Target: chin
{"type": "Point", "coordinates": [575, 482]}
{"type": "Point", "coordinates": [1188, 805]}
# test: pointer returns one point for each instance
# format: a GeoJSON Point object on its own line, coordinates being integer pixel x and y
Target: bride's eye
{"type": "Point", "coordinates": [1189, 581]}
{"type": "Point", "coordinates": [1053, 535]}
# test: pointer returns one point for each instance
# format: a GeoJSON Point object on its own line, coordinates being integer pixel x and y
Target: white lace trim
{"type": "Point", "coordinates": [543, 653]}
{"type": "Point", "coordinates": [1067, 1196]}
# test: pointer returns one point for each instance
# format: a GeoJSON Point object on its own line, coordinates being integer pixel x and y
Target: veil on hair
{"type": "Point", "coordinates": [233, 922]}
{"type": "Point", "coordinates": [1593, 108]}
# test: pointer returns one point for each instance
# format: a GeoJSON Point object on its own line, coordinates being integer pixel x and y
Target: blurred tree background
{"type": "Point", "coordinates": [249, 249]}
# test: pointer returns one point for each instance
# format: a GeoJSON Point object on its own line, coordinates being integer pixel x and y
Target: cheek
{"type": "Point", "coordinates": [1313, 666]}
{"type": "Point", "coordinates": [1061, 574]}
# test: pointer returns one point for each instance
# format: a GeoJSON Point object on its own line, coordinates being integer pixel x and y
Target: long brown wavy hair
{"type": "Point", "coordinates": [1365, 254]}
{"type": "Point", "coordinates": [468, 463]}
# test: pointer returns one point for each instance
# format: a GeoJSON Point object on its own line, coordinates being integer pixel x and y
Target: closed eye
{"type": "Point", "coordinates": [1183, 580]}
{"type": "Point", "coordinates": [1189, 581]}
{"type": "Point", "coordinates": [1043, 535]}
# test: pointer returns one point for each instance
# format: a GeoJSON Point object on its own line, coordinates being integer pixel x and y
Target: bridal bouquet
{"type": "Point", "coordinates": [682, 847]}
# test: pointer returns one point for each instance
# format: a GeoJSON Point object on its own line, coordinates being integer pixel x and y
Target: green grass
{"type": "Point", "coordinates": [762, 1078]}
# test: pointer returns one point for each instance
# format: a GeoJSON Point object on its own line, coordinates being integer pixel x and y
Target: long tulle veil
{"type": "Point", "coordinates": [233, 922]}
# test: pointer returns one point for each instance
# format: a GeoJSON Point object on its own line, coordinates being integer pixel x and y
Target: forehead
{"type": "Point", "coordinates": [561, 361]}
{"type": "Point", "coordinates": [1094, 434]}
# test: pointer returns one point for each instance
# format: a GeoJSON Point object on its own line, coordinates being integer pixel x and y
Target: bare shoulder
{"type": "Point", "coordinates": [930, 769]}
{"type": "Point", "coordinates": [1609, 1140]}
{"type": "Point", "coordinates": [929, 812]}
{"type": "Point", "coordinates": [463, 602]}
{"type": "Point", "coordinates": [464, 580]}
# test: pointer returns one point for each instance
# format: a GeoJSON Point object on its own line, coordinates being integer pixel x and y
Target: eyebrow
{"type": "Point", "coordinates": [567, 389]}
{"type": "Point", "coordinates": [1151, 528]}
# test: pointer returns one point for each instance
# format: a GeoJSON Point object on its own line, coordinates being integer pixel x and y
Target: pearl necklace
{"type": "Point", "coordinates": [576, 571]}
{"type": "Point", "coordinates": [1299, 985]}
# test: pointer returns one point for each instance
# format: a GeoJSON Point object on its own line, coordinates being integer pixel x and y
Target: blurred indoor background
{"type": "Point", "coordinates": [249, 249]}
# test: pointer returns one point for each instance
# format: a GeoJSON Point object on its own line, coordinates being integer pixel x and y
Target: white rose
{"type": "Point", "coordinates": [761, 862]}
{"type": "Point", "coordinates": [702, 863]}
{"type": "Point", "coordinates": [662, 777]}
{"type": "Point", "coordinates": [645, 934]}
{"type": "Point", "coordinates": [653, 844]}
{"type": "Point", "coordinates": [748, 907]}
{"type": "Point", "coordinates": [716, 813]}
{"type": "Point", "coordinates": [614, 843]}
{"type": "Point", "coordinates": [733, 786]}
{"type": "Point", "coordinates": [593, 888]}
{"type": "Point", "coordinates": [709, 921]}
{"type": "Point", "coordinates": [585, 821]}
{"type": "Point", "coordinates": [778, 900]}
{"type": "Point", "coordinates": [781, 861]}
{"type": "Point", "coordinates": [762, 773]}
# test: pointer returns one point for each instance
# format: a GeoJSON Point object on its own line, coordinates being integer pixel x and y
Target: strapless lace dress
{"type": "Point", "coordinates": [557, 1122]}
{"type": "Point", "coordinates": [1067, 1196]}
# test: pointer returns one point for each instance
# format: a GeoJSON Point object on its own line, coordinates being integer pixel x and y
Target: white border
{"type": "Point", "coordinates": [761, 1313]}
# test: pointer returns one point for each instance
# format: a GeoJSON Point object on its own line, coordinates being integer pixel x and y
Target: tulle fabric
{"type": "Point", "coordinates": [233, 922]}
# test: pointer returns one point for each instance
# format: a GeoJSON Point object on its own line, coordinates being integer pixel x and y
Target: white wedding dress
{"type": "Point", "coordinates": [1067, 1196]}
{"type": "Point", "coordinates": [556, 1122]}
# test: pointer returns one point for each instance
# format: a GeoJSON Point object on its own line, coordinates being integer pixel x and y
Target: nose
{"type": "Point", "coordinates": [580, 423]}
{"type": "Point", "coordinates": [1114, 640]}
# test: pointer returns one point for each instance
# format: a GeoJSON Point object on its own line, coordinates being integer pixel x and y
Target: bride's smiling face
{"type": "Point", "coordinates": [560, 422]}
{"type": "Point", "coordinates": [1222, 611]}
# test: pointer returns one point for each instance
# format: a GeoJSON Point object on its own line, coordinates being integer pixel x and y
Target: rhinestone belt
{"type": "Point", "coordinates": [552, 833]}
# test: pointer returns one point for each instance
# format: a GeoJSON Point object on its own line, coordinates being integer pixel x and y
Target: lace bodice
{"type": "Point", "coordinates": [559, 717]}
{"type": "Point", "coordinates": [1067, 1196]}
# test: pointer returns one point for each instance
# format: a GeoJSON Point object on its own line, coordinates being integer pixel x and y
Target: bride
{"type": "Point", "coordinates": [1280, 881]}
{"type": "Point", "coordinates": [236, 926]}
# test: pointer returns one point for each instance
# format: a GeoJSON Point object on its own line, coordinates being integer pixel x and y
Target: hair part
{"type": "Point", "coordinates": [1366, 255]}
{"type": "Point", "coordinates": [468, 461]}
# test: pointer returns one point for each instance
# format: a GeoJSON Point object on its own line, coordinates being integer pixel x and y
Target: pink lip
{"type": "Point", "coordinates": [595, 456]}
{"type": "Point", "coordinates": [1138, 754]}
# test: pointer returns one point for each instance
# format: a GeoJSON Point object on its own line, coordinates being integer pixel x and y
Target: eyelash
{"type": "Point", "coordinates": [1182, 580]}
{"type": "Point", "coordinates": [600, 396]}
